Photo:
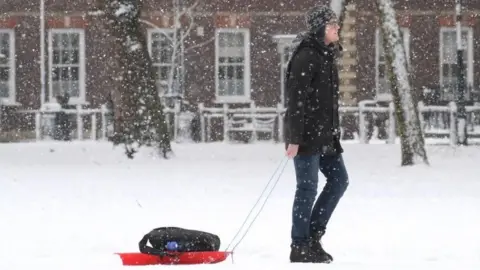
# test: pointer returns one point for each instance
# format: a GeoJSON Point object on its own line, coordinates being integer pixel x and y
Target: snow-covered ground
{"type": "Point", "coordinates": [71, 206]}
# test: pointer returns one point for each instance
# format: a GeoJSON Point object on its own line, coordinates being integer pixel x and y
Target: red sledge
{"type": "Point", "coordinates": [204, 257]}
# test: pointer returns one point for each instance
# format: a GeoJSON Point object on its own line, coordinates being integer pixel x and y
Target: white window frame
{"type": "Point", "coordinates": [12, 86]}
{"type": "Point", "coordinates": [165, 31]}
{"type": "Point", "coordinates": [246, 97]}
{"type": "Point", "coordinates": [81, 99]}
{"type": "Point", "coordinates": [382, 96]}
{"type": "Point", "coordinates": [470, 55]}
{"type": "Point", "coordinates": [283, 42]}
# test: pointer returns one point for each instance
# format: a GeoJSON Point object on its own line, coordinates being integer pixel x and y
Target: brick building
{"type": "Point", "coordinates": [235, 53]}
{"type": "Point", "coordinates": [430, 39]}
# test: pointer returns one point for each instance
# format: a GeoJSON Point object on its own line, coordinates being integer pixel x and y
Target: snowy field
{"type": "Point", "coordinates": [71, 206]}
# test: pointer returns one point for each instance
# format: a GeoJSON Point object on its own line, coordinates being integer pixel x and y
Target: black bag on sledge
{"type": "Point", "coordinates": [165, 239]}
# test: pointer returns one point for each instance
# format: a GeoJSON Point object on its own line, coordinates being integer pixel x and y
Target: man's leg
{"type": "Point", "coordinates": [306, 170]}
{"type": "Point", "coordinates": [333, 168]}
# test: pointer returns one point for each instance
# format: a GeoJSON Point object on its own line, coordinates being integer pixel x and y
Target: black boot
{"type": "Point", "coordinates": [301, 254]}
{"type": "Point", "coordinates": [319, 253]}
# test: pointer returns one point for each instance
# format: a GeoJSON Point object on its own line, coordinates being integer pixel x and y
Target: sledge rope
{"type": "Point", "coordinates": [255, 205]}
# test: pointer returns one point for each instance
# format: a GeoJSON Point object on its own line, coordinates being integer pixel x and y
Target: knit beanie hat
{"type": "Point", "coordinates": [318, 17]}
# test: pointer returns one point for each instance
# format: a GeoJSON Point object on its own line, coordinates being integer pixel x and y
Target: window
{"type": "Point", "coordinates": [382, 83]}
{"type": "Point", "coordinates": [285, 50]}
{"type": "Point", "coordinates": [7, 66]}
{"type": "Point", "coordinates": [448, 60]}
{"type": "Point", "coordinates": [160, 47]}
{"type": "Point", "coordinates": [67, 64]}
{"type": "Point", "coordinates": [232, 65]}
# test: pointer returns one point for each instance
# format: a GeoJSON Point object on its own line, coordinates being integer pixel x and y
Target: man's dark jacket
{"type": "Point", "coordinates": [312, 119]}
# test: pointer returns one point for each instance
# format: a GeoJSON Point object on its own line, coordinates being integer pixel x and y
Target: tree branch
{"type": "Point", "coordinates": [161, 30]}
{"type": "Point", "coordinates": [189, 9]}
{"type": "Point", "coordinates": [189, 12]}
{"type": "Point", "coordinates": [200, 44]}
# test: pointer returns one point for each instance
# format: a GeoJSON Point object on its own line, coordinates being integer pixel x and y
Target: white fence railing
{"type": "Point", "coordinates": [252, 119]}
{"type": "Point", "coordinates": [363, 122]}
{"type": "Point", "coordinates": [44, 120]}
{"type": "Point", "coordinates": [369, 118]}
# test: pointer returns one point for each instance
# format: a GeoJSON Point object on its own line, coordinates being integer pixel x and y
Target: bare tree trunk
{"type": "Point", "coordinates": [406, 110]}
{"type": "Point", "coordinates": [141, 121]}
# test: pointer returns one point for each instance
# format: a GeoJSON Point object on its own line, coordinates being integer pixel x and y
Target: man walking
{"type": "Point", "coordinates": [312, 133]}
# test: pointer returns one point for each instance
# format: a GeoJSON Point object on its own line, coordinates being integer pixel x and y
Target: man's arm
{"type": "Point", "coordinates": [302, 70]}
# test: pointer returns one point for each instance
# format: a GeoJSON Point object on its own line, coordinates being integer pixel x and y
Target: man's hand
{"type": "Point", "coordinates": [292, 150]}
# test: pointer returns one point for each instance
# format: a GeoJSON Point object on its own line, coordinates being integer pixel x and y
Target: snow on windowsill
{"type": "Point", "coordinates": [78, 102]}
{"type": "Point", "coordinates": [384, 98]}
{"type": "Point", "coordinates": [220, 100]}
{"type": "Point", "coordinates": [9, 103]}
{"type": "Point", "coordinates": [96, 13]}
{"type": "Point", "coordinates": [283, 37]}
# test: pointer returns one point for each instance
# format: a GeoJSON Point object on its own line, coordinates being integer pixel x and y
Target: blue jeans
{"type": "Point", "coordinates": [307, 221]}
